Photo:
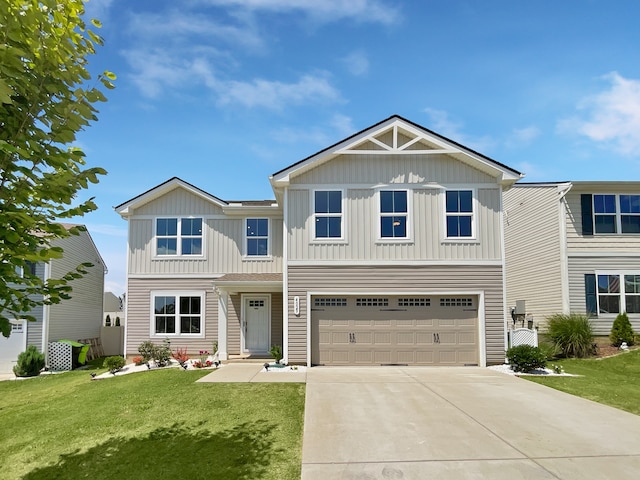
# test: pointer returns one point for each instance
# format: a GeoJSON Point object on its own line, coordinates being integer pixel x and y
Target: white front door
{"type": "Point", "coordinates": [256, 324]}
{"type": "Point", "coordinates": [13, 346]}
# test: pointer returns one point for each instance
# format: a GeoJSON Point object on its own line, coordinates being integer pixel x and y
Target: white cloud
{"type": "Point", "coordinates": [343, 125]}
{"type": "Point", "coordinates": [611, 117]}
{"type": "Point", "coordinates": [373, 11]}
{"type": "Point", "coordinates": [357, 63]}
{"type": "Point", "coordinates": [277, 95]}
{"type": "Point", "coordinates": [522, 136]}
{"type": "Point", "coordinates": [97, 9]}
{"type": "Point", "coordinates": [443, 124]}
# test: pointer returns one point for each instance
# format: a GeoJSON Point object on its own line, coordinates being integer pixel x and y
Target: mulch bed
{"type": "Point", "coordinates": [605, 349]}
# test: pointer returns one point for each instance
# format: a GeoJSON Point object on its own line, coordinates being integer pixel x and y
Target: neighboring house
{"type": "Point", "coordinates": [385, 248]}
{"type": "Point", "coordinates": [574, 247]}
{"type": "Point", "coordinates": [113, 308]}
{"type": "Point", "coordinates": [79, 317]}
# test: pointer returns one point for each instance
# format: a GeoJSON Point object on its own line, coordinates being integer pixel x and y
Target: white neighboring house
{"type": "Point", "coordinates": [112, 308]}
{"type": "Point", "coordinates": [80, 317]}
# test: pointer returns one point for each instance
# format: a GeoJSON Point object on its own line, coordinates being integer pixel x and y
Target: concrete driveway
{"type": "Point", "coordinates": [449, 423]}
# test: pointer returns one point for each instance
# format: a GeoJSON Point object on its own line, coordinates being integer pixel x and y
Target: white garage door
{"type": "Point", "coordinates": [395, 330]}
{"type": "Point", "coordinates": [11, 347]}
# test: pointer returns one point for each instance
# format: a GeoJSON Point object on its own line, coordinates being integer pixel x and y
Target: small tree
{"type": "Point", "coordinates": [30, 362]}
{"type": "Point", "coordinates": [107, 320]}
{"type": "Point", "coordinates": [621, 331]}
{"type": "Point", "coordinates": [44, 103]}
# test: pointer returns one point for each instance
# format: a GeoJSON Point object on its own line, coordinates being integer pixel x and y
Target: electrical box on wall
{"type": "Point", "coordinates": [521, 309]}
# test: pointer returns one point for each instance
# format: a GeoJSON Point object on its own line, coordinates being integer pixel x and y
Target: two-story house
{"type": "Point", "coordinates": [574, 247]}
{"type": "Point", "coordinates": [79, 317]}
{"type": "Point", "coordinates": [385, 248]}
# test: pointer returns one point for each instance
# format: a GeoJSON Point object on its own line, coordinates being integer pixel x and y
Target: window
{"type": "Point", "coordinates": [327, 213]}
{"type": "Point", "coordinates": [616, 213]}
{"type": "Point", "coordinates": [608, 293]}
{"type": "Point", "coordinates": [456, 302]}
{"type": "Point", "coordinates": [414, 302]}
{"type": "Point", "coordinates": [459, 213]}
{"type": "Point", "coordinates": [177, 314]}
{"type": "Point", "coordinates": [394, 214]}
{"type": "Point", "coordinates": [329, 302]}
{"type": "Point", "coordinates": [257, 237]}
{"type": "Point", "coordinates": [372, 302]}
{"type": "Point", "coordinates": [30, 269]}
{"type": "Point", "coordinates": [178, 236]}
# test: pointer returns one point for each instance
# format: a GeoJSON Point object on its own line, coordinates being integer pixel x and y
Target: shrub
{"type": "Point", "coordinates": [30, 362]}
{"type": "Point", "coordinates": [572, 334]}
{"type": "Point", "coordinates": [160, 354]}
{"type": "Point", "coordinates": [107, 321]}
{"type": "Point", "coordinates": [180, 355]}
{"type": "Point", "coordinates": [276, 353]}
{"type": "Point", "coordinates": [138, 360]}
{"type": "Point", "coordinates": [147, 350]}
{"type": "Point", "coordinates": [114, 364]}
{"type": "Point", "coordinates": [549, 349]}
{"type": "Point", "coordinates": [526, 357]}
{"type": "Point", "coordinates": [621, 331]}
{"type": "Point", "coordinates": [117, 321]}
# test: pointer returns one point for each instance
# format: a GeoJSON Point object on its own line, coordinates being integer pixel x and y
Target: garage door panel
{"type": "Point", "coordinates": [396, 330]}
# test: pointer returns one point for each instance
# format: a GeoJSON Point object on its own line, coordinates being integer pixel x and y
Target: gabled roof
{"type": "Point", "coordinates": [397, 135]}
{"type": "Point", "coordinates": [156, 192]}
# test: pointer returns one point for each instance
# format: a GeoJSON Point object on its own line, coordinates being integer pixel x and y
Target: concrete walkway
{"type": "Point", "coordinates": [458, 423]}
{"type": "Point", "coordinates": [252, 372]}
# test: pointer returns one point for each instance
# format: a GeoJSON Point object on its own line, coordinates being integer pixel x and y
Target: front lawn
{"type": "Point", "coordinates": [149, 425]}
{"type": "Point", "coordinates": [614, 381]}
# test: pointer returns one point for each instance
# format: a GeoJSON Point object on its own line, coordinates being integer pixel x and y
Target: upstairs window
{"type": "Point", "coordinates": [327, 214]}
{"type": "Point", "coordinates": [459, 213]}
{"type": "Point", "coordinates": [257, 233]}
{"type": "Point", "coordinates": [613, 214]}
{"type": "Point", "coordinates": [394, 213]}
{"type": "Point", "coordinates": [178, 236]}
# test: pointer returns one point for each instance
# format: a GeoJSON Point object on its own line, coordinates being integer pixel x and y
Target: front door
{"type": "Point", "coordinates": [256, 324]}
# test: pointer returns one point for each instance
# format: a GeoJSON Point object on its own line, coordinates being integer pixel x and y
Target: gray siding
{"type": "Point", "coordinates": [139, 313]}
{"type": "Point", "coordinates": [579, 266]}
{"type": "Point", "coordinates": [34, 329]}
{"type": "Point", "coordinates": [397, 280]}
{"type": "Point", "coordinates": [400, 168]}
{"type": "Point", "coordinates": [179, 202]}
{"type": "Point", "coordinates": [81, 316]}
{"type": "Point", "coordinates": [361, 218]}
{"type": "Point", "coordinates": [233, 321]}
{"type": "Point", "coordinates": [533, 252]}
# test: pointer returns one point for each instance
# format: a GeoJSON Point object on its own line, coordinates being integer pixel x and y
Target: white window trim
{"type": "Point", "coordinates": [378, 214]}
{"type": "Point", "coordinates": [618, 214]}
{"type": "Point", "coordinates": [621, 294]}
{"type": "Point", "coordinates": [312, 230]}
{"type": "Point", "coordinates": [177, 294]}
{"type": "Point", "coordinates": [245, 251]}
{"type": "Point", "coordinates": [178, 237]}
{"type": "Point", "coordinates": [474, 215]}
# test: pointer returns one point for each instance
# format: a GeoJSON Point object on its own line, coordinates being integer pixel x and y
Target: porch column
{"type": "Point", "coordinates": [223, 300]}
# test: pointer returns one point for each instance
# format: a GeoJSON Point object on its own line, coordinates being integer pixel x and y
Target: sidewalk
{"type": "Point", "coordinates": [253, 373]}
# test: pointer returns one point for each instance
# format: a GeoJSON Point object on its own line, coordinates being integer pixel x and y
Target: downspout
{"type": "Point", "coordinates": [564, 258]}
{"type": "Point", "coordinates": [285, 277]}
{"type": "Point", "coordinates": [503, 254]}
{"type": "Point", "coordinates": [46, 311]}
{"type": "Point", "coordinates": [126, 287]}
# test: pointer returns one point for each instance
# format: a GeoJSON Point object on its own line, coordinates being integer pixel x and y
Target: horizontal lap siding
{"type": "Point", "coordinates": [352, 280]}
{"type": "Point", "coordinates": [533, 249]}
{"type": "Point", "coordinates": [234, 323]}
{"type": "Point", "coordinates": [139, 313]}
{"type": "Point", "coordinates": [578, 267]}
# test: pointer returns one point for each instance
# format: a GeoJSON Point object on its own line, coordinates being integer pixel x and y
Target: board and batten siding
{"type": "Point", "coordinates": [533, 253]}
{"type": "Point", "coordinates": [426, 221]}
{"type": "Point", "coordinates": [600, 243]}
{"type": "Point", "coordinates": [579, 267]}
{"type": "Point", "coordinates": [389, 168]}
{"type": "Point", "coordinates": [139, 310]}
{"type": "Point", "coordinates": [397, 280]}
{"type": "Point", "coordinates": [179, 202]}
{"type": "Point", "coordinates": [80, 317]}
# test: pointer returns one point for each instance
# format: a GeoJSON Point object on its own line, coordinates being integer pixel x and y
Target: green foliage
{"type": "Point", "coordinates": [107, 321]}
{"type": "Point", "coordinates": [572, 334]}
{"type": "Point", "coordinates": [44, 102]}
{"type": "Point", "coordinates": [524, 358]}
{"type": "Point", "coordinates": [114, 364]}
{"type": "Point", "coordinates": [276, 353]}
{"type": "Point", "coordinates": [117, 321]}
{"type": "Point", "coordinates": [549, 349]}
{"type": "Point", "coordinates": [160, 354]}
{"type": "Point", "coordinates": [30, 362]}
{"type": "Point", "coordinates": [621, 331]}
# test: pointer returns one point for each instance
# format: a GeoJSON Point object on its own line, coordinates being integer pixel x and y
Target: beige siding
{"type": "Point", "coordinates": [81, 316]}
{"type": "Point", "coordinates": [234, 323]}
{"type": "Point", "coordinates": [579, 266]}
{"type": "Point", "coordinates": [401, 168]}
{"type": "Point", "coordinates": [533, 252]}
{"type": "Point", "coordinates": [223, 240]}
{"type": "Point", "coordinates": [423, 280]}
{"type": "Point", "coordinates": [139, 313]}
{"type": "Point", "coordinates": [426, 218]}
{"type": "Point", "coordinates": [601, 243]}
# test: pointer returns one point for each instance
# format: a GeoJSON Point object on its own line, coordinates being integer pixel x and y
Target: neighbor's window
{"type": "Point", "coordinates": [257, 237]}
{"type": "Point", "coordinates": [177, 314]}
{"type": "Point", "coordinates": [178, 236]}
{"type": "Point", "coordinates": [394, 214]}
{"type": "Point", "coordinates": [459, 213]}
{"type": "Point", "coordinates": [327, 214]}
{"type": "Point", "coordinates": [618, 292]}
{"type": "Point", "coordinates": [616, 213]}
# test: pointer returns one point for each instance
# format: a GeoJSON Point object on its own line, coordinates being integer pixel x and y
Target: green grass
{"type": "Point", "coordinates": [614, 381]}
{"type": "Point", "coordinates": [149, 425]}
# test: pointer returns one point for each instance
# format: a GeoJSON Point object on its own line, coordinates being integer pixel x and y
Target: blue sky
{"type": "Point", "coordinates": [223, 93]}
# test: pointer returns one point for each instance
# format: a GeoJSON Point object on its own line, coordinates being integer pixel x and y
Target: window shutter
{"type": "Point", "coordinates": [587, 213]}
{"type": "Point", "coordinates": [590, 294]}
